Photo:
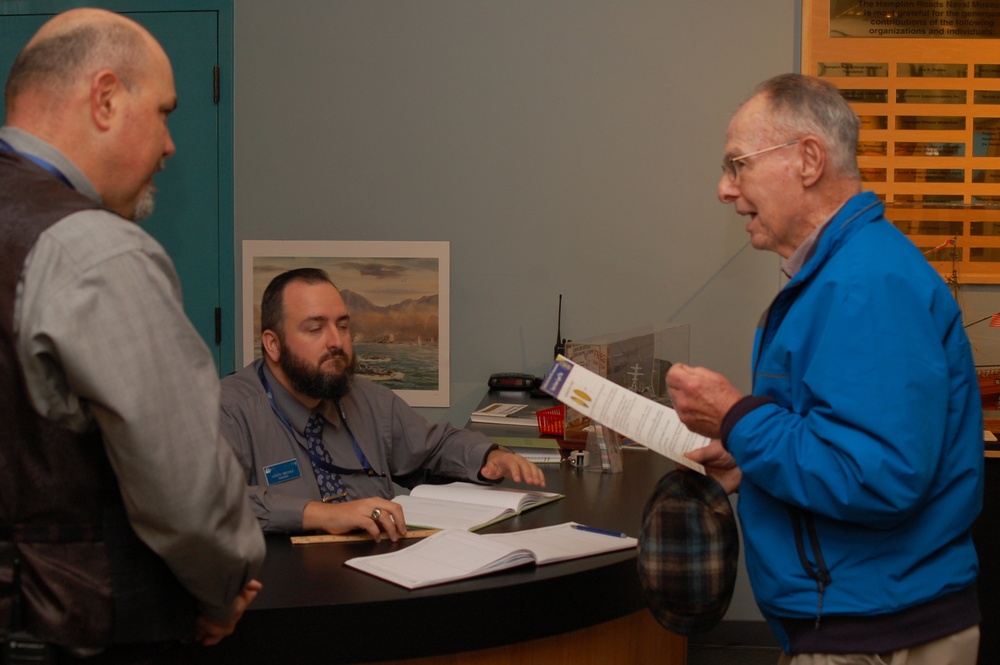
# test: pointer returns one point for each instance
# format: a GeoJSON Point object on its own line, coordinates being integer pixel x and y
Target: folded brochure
{"type": "Point", "coordinates": [639, 418]}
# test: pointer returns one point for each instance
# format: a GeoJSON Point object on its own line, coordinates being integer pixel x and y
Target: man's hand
{"type": "Point", "coordinates": [350, 515]}
{"type": "Point", "coordinates": [701, 397]}
{"type": "Point", "coordinates": [719, 465]}
{"type": "Point", "coordinates": [502, 463]}
{"type": "Point", "coordinates": [210, 632]}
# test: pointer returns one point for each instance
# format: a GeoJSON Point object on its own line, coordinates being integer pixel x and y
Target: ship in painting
{"type": "Point", "coordinates": [375, 372]}
{"type": "Point", "coordinates": [372, 366]}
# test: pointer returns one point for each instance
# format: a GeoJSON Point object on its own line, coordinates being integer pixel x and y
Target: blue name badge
{"type": "Point", "coordinates": [282, 472]}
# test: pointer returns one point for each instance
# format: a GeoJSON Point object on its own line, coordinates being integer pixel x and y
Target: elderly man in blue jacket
{"type": "Point", "coordinates": [858, 457]}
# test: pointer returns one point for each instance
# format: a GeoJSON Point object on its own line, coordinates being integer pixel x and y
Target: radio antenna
{"type": "Point", "coordinates": [560, 348]}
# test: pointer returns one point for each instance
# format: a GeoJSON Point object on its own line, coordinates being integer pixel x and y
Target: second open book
{"type": "Point", "coordinates": [456, 554]}
{"type": "Point", "coordinates": [466, 506]}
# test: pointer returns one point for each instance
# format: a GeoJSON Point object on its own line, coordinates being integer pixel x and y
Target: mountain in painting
{"type": "Point", "coordinates": [412, 321]}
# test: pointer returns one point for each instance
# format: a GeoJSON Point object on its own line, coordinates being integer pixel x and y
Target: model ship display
{"type": "Point", "coordinates": [989, 386]}
{"type": "Point", "coordinates": [988, 375]}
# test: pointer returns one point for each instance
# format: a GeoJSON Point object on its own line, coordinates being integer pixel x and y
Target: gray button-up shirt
{"type": "Point", "coordinates": [396, 440]}
{"type": "Point", "coordinates": [102, 337]}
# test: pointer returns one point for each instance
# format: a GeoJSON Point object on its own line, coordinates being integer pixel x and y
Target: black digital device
{"type": "Point", "coordinates": [513, 381]}
{"type": "Point", "coordinates": [560, 348]}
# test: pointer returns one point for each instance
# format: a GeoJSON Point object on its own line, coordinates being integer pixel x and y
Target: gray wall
{"type": "Point", "coordinates": [561, 146]}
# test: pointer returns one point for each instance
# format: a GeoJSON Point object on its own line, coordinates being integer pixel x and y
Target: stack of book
{"type": "Point", "coordinates": [499, 413]}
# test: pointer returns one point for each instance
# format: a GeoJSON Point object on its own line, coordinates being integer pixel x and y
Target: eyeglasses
{"type": "Point", "coordinates": [731, 166]}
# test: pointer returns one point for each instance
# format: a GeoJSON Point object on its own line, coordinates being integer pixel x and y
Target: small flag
{"type": "Point", "coordinates": [995, 320]}
{"type": "Point", "coordinates": [950, 241]}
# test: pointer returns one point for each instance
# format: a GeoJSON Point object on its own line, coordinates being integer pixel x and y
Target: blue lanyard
{"type": "Point", "coordinates": [366, 466]}
{"type": "Point", "coordinates": [51, 168]}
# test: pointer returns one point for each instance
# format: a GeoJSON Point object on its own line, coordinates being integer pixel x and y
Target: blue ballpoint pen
{"type": "Point", "coordinates": [603, 532]}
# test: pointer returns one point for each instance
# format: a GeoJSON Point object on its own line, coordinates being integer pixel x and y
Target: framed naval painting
{"type": "Point", "coordinates": [398, 297]}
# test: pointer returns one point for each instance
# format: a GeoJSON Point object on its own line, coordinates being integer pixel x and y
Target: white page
{"type": "Point", "coordinates": [437, 514]}
{"type": "Point", "coordinates": [654, 425]}
{"type": "Point", "coordinates": [562, 542]}
{"type": "Point", "coordinates": [486, 495]}
{"type": "Point", "coordinates": [445, 556]}
{"type": "Point", "coordinates": [498, 409]}
{"type": "Point", "coordinates": [538, 455]}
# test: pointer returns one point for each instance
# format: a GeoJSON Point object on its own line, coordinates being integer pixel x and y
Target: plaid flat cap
{"type": "Point", "coordinates": [688, 552]}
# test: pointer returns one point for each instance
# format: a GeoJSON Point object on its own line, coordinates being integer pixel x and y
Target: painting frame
{"type": "Point", "coordinates": [372, 275]}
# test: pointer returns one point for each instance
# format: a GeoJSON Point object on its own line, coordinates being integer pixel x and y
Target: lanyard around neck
{"type": "Point", "coordinates": [366, 466]}
{"type": "Point", "coordinates": [48, 166]}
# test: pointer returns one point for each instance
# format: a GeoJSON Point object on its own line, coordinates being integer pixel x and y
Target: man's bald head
{"type": "Point", "coordinates": [71, 47]}
{"type": "Point", "coordinates": [98, 88]}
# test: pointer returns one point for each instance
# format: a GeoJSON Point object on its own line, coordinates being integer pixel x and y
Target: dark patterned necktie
{"type": "Point", "coordinates": [331, 485]}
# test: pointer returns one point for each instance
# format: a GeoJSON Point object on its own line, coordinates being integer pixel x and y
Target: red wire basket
{"type": "Point", "coordinates": [551, 420]}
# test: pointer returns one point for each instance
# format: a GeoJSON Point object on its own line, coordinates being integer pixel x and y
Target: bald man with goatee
{"type": "Point", "coordinates": [124, 530]}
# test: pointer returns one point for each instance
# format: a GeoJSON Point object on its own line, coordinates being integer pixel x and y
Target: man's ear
{"type": "Point", "coordinates": [813, 160]}
{"type": "Point", "coordinates": [105, 90]}
{"type": "Point", "coordinates": [270, 345]}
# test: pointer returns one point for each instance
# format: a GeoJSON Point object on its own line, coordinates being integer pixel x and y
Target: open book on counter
{"type": "Point", "coordinates": [466, 505]}
{"type": "Point", "coordinates": [456, 554]}
{"type": "Point", "coordinates": [639, 418]}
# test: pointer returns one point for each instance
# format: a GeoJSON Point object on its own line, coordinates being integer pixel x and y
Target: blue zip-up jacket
{"type": "Point", "coordinates": [861, 447]}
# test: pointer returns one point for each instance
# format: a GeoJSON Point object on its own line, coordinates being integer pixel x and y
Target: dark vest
{"type": "Point", "coordinates": [85, 577]}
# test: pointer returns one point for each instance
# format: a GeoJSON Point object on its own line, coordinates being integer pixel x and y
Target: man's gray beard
{"type": "Point", "coordinates": [144, 206]}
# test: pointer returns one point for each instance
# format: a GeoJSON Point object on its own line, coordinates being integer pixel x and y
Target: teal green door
{"type": "Point", "coordinates": [187, 215]}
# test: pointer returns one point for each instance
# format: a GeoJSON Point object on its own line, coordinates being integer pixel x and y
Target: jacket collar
{"type": "Point", "coordinates": [860, 210]}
